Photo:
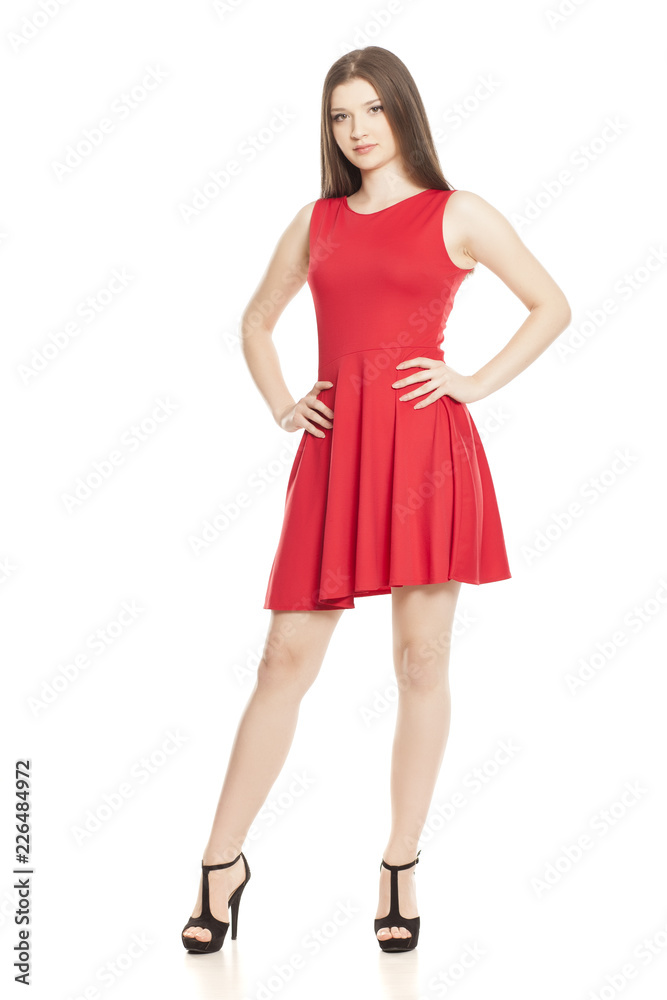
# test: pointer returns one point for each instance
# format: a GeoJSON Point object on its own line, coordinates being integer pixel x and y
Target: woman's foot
{"type": "Point", "coordinates": [407, 899]}
{"type": "Point", "coordinates": [221, 885]}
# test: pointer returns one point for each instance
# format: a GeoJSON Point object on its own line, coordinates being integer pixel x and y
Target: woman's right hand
{"type": "Point", "coordinates": [308, 412]}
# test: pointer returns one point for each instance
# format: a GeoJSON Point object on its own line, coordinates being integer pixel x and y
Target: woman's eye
{"type": "Point", "coordinates": [341, 114]}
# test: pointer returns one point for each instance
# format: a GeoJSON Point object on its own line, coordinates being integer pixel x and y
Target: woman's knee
{"type": "Point", "coordinates": [423, 618]}
{"type": "Point", "coordinates": [280, 667]}
{"type": "Point", "coordinates": [295, 647]}
{"type": "Point", "coordinates": [421, 666]}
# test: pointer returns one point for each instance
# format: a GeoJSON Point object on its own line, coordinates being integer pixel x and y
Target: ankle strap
{"type": "Point", "coordinates": [212, 868]}
{"type": "Point", "coordinates": [400, 868]}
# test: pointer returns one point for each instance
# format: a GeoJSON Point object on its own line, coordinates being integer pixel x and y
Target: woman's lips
{"type": "Point", "coordinates": [365, 149]}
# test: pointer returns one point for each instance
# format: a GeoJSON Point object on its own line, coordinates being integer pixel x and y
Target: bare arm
{"type": "Point", "coordinates": [485, 235]}
{"type": "Point", "coordinates": [285, 274]}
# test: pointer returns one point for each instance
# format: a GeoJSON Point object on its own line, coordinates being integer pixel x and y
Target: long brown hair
{"type": "Point", "coordinates": [405, 112]}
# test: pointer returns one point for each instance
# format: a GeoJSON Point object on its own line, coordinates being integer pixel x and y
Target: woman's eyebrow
{"type": "Point", "coordinates": [373, 100]}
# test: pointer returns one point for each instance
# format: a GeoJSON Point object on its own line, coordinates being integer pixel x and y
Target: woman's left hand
{"type": "Point", "coordinates": [439, 380]}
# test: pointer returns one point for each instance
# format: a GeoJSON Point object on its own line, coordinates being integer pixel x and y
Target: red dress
{"type": "Point", "coordinates": [390, 496]}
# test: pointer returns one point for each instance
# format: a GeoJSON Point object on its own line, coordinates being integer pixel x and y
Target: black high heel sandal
{"type": "Point", "coordinates": [218, 928]}
{"type": "Point", "coordinates": [394, 918]}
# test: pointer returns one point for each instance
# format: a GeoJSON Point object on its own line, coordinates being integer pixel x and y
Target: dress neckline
{"type": "Point", "coordinates": [395, 205]}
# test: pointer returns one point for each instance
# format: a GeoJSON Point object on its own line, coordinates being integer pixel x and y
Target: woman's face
{"type": "Point", "coordinates": [360, 126]}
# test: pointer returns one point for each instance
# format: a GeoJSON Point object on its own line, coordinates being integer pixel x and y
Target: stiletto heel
{"type": "Point", "coordinates": [234, 901]}
{"type": "Point", "coordinates": [394, 918]}
{"type": "Point", "coordinates": [218, 928]}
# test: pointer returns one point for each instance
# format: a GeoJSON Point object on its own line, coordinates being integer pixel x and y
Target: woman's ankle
{"type": "Point", "coordinates": [215, 855]}
{"type": "Point", "coordinates": [400, 854]}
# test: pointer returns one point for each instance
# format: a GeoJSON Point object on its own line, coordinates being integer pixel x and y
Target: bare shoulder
{"type": "Point", "coordinates": [480, 233]}
{"type": "Point", "coordinates": [307, 210]}
{"type": "Point", "coordinates": [472, 223]}
{"type": "Point", "coordinates": [286, 271]}
{"type": "Point", "coordinates": [296, 237]}
{"type": "Point", "coordinates": [466, 205]}
{"type": "Point", "coordinates": [301, 220]}
{"type": "Point", "coordinates": [460, 219]}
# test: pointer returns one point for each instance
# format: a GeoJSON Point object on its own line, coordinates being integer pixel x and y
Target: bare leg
{"type": "Point", "coordinates": [423, 618]}
{"type": "Point", "coordinates": [293, 653]}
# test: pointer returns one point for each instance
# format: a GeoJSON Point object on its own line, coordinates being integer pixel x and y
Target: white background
{"type": "Point", "coordinates": [186, 662]}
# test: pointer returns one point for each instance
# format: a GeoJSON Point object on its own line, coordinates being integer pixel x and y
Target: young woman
{"type": "Point", "coordinates": [390, 490]}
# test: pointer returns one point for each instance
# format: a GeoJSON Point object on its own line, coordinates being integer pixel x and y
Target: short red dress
{"type": "Point", "coordinates": [390, 496]}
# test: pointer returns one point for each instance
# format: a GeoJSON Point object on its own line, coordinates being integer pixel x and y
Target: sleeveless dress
{"type": "Point", "coordinates": [390, 496]}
